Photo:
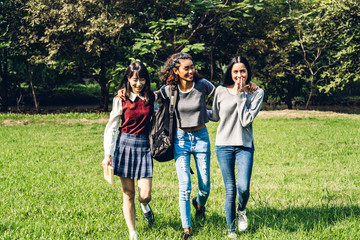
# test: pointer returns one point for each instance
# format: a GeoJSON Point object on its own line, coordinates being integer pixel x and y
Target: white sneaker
{"type": "Point", "coordinates": [242, 220]}
{"type": "Point", "coordinates": [133, 235]}
{"type": "Point", "coordinates": [232, 235]}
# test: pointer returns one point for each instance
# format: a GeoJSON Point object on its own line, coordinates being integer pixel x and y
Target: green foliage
{"type": "Point", "coordinates": [195, 48]}
{"type": "Point", "coordinates": [189, 26]}
{"type": "Point", "coordinates": [324, 38]}
{"type": "Point", "coordinates": [297, 49]}
{"type": "Point", "coordinates": [343, 19]}
{"type": "Point", "coordinates": [302, 48]}
{"type": "Point", "coordinates": [84, 37]}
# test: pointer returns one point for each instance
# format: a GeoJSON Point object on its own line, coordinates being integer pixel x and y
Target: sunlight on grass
{"type": "Point", "coordinates": [305, 182]}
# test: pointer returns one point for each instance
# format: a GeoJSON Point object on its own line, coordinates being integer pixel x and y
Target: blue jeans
{"type": "Point", "coordinates": [227, 156]}
{"type": "Point", "coordinates": [198, 144]}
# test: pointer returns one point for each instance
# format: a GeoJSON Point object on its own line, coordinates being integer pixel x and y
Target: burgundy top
{"type": "Point", "coordinates": [136, 116]}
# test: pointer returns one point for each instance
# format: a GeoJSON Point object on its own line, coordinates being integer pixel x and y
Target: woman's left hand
{"type": "Point", "coordinates": [251, 87]}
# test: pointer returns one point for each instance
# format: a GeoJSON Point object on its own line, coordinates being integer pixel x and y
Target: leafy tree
{"type": "Point", "coordinates": [188, 26]}
{"type": "Point", "coordinates": [19, 45]}
{"type": "Point", "coordinates": [84, 37]}
{"type": "Point", "coordinates": [327, 38]}
{"type": "Point", "coordinates": [343, 18]}
{"type": "Point", "coordinates": [264, 38]}
{"type": "Point", "coordinates": [10, 15]}
{"type": "Point", "coordinates": [297, 47]}
{"type": "Point", "coordinates": [315, 44]}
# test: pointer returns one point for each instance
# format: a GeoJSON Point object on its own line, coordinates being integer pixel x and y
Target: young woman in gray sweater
{"type": "Point", "coordinates": [236, 109]}
{"type": "Point", "coordinates": [191, 135]}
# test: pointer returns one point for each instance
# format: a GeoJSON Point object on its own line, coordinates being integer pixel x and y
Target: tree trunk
{"type": "Point", "coordinates": [104, 98]}
{"type": "Point", "coordinates": [288, 103]}
{"type": "Point", "coordinates": [212, 58]}
{"type": "Point", "coordinates": [310, 95]}
{"type": "Point", "coordinates": [4, 93]}
{"type": "Point", "coordinates": [350, 93]}
{"type": "Point", "coordinates": [30, 72]}
{"type": "Point", "coordinates": [211, 64]}
{"type": "Point", "coordinates": [4, 83]}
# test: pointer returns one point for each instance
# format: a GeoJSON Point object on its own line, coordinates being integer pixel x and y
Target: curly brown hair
{"type": "Point", "coordinates": [167, 74]}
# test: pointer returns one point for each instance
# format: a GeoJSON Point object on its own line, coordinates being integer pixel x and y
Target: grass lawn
{"type": "Point", "coordinates": [305, 182]}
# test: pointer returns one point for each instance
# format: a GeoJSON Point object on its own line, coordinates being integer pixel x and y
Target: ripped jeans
{"type": "Point", "coordinates": [198, 144]}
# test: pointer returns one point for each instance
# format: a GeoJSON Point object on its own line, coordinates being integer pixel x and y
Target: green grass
{"type": "Point", "coordinates": [305, 182]}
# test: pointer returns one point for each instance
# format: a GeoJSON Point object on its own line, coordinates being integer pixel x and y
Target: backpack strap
{"type": "Point", "coordinates": [173, 100]}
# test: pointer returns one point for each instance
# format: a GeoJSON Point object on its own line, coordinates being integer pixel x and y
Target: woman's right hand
{"type": "Point", "coordinates": [239, 84]}
{"type": "Point", "coordinates": [121, 94]}
{"type": "Point", "coordinates": [106, 162]}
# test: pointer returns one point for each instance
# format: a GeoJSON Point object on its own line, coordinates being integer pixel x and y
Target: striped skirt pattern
{"type": "Point", "coordinates": [132, 158]}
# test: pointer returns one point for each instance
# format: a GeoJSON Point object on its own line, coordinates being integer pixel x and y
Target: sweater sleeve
{"type": "Point", "coordinates": [248, 113]}
{"type": "Point", "coordinates": [214, 116]}
{"type": "Point", "coordinates": [112, 127]}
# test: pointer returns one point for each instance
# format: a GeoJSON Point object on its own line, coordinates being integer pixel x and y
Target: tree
{"type": "Point", "coordinates": [10, 15]}
{"type": "Point", "coordinates": [264, 37]}
{"type": "Point", "coordinates": [305, 48]}
{"type": "Point", "coordinates": [188, 26]}
{"type": "Point", "coordinates": [85, 37]}
{"type": "Point", "coordinates": [327, 37]}
{"type": "Point", "coordinates": [314, 43]}
{"type": "Point", "coordinates": [344, 18]}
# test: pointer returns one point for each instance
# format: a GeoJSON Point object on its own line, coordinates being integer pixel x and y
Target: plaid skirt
{"type": "Point", "coordinates": [132, 157]}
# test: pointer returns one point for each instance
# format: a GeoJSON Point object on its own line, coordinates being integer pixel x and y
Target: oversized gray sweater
{"type": "Point", "coordinates": [236, 114]}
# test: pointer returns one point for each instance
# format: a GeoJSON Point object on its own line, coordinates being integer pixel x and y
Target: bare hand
{"type": "Point", "coordinates": [121, 94]}
{"type": "Point", "coordinates": [239, 84]}
{"type": "Point", "coordinates": [157, 92]}
{"type": "Point", "coordinates": [251, 87]}
{"type": "Point", "coordinates": [106, 162]}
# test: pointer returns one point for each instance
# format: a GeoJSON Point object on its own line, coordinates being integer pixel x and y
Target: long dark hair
{"type": "Point", "coordinates": [140, 69]}
{"type": "Point", "coordinates": [227, 77]}
{"type": "Point", "coordinates": [168, 76]}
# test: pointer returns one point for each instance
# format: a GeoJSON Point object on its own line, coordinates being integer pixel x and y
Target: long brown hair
{"type": "Point", "coordinates": [140, 69]}
{"type": "Point", "coordinates": [227, 77]}
{"type": "Point", "coordinates": [168, 76]}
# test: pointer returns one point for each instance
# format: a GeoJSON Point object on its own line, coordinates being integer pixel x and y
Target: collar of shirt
{"type": "Point", "coordinates": [133, 96]}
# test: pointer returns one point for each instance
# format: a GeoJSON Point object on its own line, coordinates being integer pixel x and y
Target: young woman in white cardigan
{"type": "Point", "coordinates": [129, 155]}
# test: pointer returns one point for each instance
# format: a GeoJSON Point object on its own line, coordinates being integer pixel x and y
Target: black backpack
{"type": "Point", "coordinates": [162, 129]}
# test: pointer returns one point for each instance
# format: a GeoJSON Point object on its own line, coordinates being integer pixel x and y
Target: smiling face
{"type": "Point", "coordinates": [239, 72]}
{"type": "Point", "coordinates": [186, 70]}
{"type": "Point", "coordinates": [137, 84]}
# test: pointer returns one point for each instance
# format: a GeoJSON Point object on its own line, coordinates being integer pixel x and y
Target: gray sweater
{"type": "Point", "coordinates": [236, 114]}
{"type": "Point", "coordinates": [191, 105]}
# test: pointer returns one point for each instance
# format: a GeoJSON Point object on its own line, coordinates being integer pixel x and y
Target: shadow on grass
{"type": "Point", "coordinates": [287, 220]}
{"type": "Point", "coordinates": [300, 219]}
{"type": "Point", "coordinates": [165, 222]}
{"type": "Point", "coordinates": [290, 219]}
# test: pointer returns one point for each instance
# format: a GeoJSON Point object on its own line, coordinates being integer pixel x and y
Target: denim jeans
{"type": "Point", "coordinates": [198, 144]}
{"type": "Point", "coordinates": [227, 156]}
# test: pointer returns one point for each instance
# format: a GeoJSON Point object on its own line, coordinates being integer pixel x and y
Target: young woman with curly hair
{"type": "Point", "coordinates": [191, 136]}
